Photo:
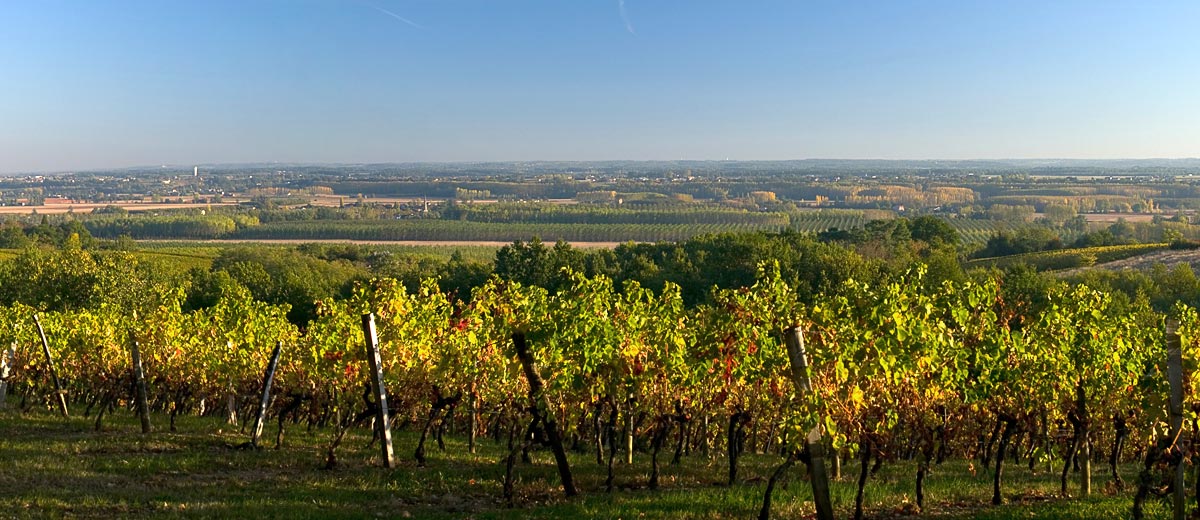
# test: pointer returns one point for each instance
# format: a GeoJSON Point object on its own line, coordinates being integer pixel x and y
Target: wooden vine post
{"type": "Point", "coordinates": [58, 389]}
{"type": "Point", "coordinates": [378, 389]}
{"type": "Point", "coordinates": [139, 379]}
{"type": "Point", "coordinates": [231, 397]}
{"type": "Point", "coordinates": [1167, 446]}
{"type": "Point", "coordinates": [814, 446]}
{"type": "Point", "coordinates": [1175, 378]}
{"type": "Point", "coordinates": [5, 357]}
{"type": "Point", "coordinates": [268, 378]}
{"type": "Point", "coordinates": [540, 405]}
{"type": "Point", "coordinates": [474, 402]}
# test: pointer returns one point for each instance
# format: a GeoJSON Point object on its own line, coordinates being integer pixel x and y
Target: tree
{"type": "Point", "coordinates": [280, 276]}
{"type": "Point", "coordinates": [933, 230]}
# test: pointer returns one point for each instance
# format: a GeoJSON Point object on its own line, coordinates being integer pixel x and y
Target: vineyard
{"type": "Point", "coordinates": [506, 222]}
{"type": "Point", "coordinates": [595, 214]}
{"type": "Point", "coordinates": [867, 376]}
{"type": "Point", "coordinates": [187, 251]}
{"type": "Point", "coordinates": [976, 231]}
{"type": "Point", "coordinates": [821, 220]}
{"type": "Point", "coordinates": [1069, 258]}
{"type": "Point", "coordinates": [433, 230]}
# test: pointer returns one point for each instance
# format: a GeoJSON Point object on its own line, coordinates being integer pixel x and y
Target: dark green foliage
{"type": "Point", "coordinates": [206, 288]}
{"type": "Point", "coordinates": [287, 276]}
{"type": "Point", "coordinates": [1026, 239]}
{"type": "Point", "coordinates": [532, 263]}
{"type": "Point", "coordinates": [1162, 286]}
{"type": "Point", "coordinates": [174, 226]}
{"type": "Point", "coordinates": [12, 236]}
{"type": "Point", "coordinates": [1025, 289]}
{"type": "Point", "coordinates": [74, 278]}
{"type": "Point", "coordinates": [933, 230]}
{"type": "Point", "coordinates": [460, 275]}
{"type": "Point", "coordinates": [696, 265]}
{"type": "Point", "coordinates": [15, 234]}
{"type": "Point", "coordinates": [942, 264]}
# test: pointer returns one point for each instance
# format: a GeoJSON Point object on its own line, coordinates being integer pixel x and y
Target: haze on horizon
{"type": "Point", "coordinates": [134, 82]}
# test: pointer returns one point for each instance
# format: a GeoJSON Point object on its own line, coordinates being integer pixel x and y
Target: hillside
{"type": "Point", "coordinates": [1170, 258]}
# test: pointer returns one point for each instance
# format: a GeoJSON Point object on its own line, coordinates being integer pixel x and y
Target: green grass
{"type": "Point", "coordinates": [438, 230]}
{"type": "Point", "coordinates": [485, 254]}
{"type": "Point", "coordinates": [51, 467]}
{"type": "Point", "coordinates": [202, 249]}
{"type": "Point", "coordinates": [180, 260]}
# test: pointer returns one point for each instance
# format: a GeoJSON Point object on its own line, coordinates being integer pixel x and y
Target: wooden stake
{"type": "Point", "coordinates": [268, 378]}
{"type": "Point", "coordinates": [139, 379]}
{"type": "Point", "coordinates": [798, 361]}
{"type": "Point", "coordinates": [377, 387]}
{"type": "Point", "coordinates": [1175, 377]}
{"type": "Point", "coordinates": [5, 356]}
{"type": "Point", "coordinates": [58, 389]}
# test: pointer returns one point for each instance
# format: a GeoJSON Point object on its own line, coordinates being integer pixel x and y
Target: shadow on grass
{"type": "Point", "coordinates": [51, 467]}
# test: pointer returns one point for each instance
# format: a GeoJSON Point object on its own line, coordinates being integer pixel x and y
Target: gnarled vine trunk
{"type": "Point", "coordinates": [865, 458]}
{"type": "Point", "coordinates": [1010, 424]}
{"type": "Point", "coordinates": [735, 437]}
{"type": "Point", "coordinates": [541, 409]}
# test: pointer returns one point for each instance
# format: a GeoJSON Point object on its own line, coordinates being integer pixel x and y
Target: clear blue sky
{"type": "Point", "coordinates": [91, 84]}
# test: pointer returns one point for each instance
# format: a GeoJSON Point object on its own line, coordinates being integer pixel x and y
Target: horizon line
{"type": "Point", "coordinates": [580, 161]}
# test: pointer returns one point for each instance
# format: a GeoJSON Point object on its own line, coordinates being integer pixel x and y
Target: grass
{"type": "Point", "coordinates": [51, 467]}
{"type": "Point", "coordinates": [181, 261]}
{"type": "Point", "coordinates": [201, 249]}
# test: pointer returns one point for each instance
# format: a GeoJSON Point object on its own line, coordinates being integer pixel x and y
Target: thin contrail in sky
{"type": "Point", "coordinates": [398, 17]}
{"type": "Point", "coordinates": [625, 17]}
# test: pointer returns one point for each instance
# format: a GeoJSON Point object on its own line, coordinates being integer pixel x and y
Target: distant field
{"type": "Point", "coordinates": [455, 231]}
{"type": "Point", "coordinates": [1113, 217]}
{"type": "Point", "coordinates": [182, 260]}
{"type": "Point", "coordinates": [975, 231]}
{"type": "Point", "coordinates": [819, 220]}
{"type": "Point", "coordinates": [1110, 218]}
{"type": "Point", "coordinates": [584, 234]}
{"type": "Point", "coordinates": [333, 201]}
{"type": "Point", "coordinates": [475, 251]}
{"type": "Point", "coordinates": [420, 245]}
{"type": "Point", "coordinates": [972, 231]}
{"type": "Point", "coordinates": [1170, 258]}
{"type": "Point", "coordinates": [1070, 258]}
{"type": "Point", "coordinates": [90, 207]}
{"type": "Point", "coordinates": [186, 254]}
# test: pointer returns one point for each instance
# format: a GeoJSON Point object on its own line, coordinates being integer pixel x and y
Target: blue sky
{"type": "Point", "coordinates": [93, 84]}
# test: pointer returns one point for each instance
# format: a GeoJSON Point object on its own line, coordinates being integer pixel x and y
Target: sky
{"type": "Point", "coordinates": [88, 84]}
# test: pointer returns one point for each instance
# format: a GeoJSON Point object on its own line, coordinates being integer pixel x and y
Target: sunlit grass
{"type": "Point", "coordinates": [55, 467]}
